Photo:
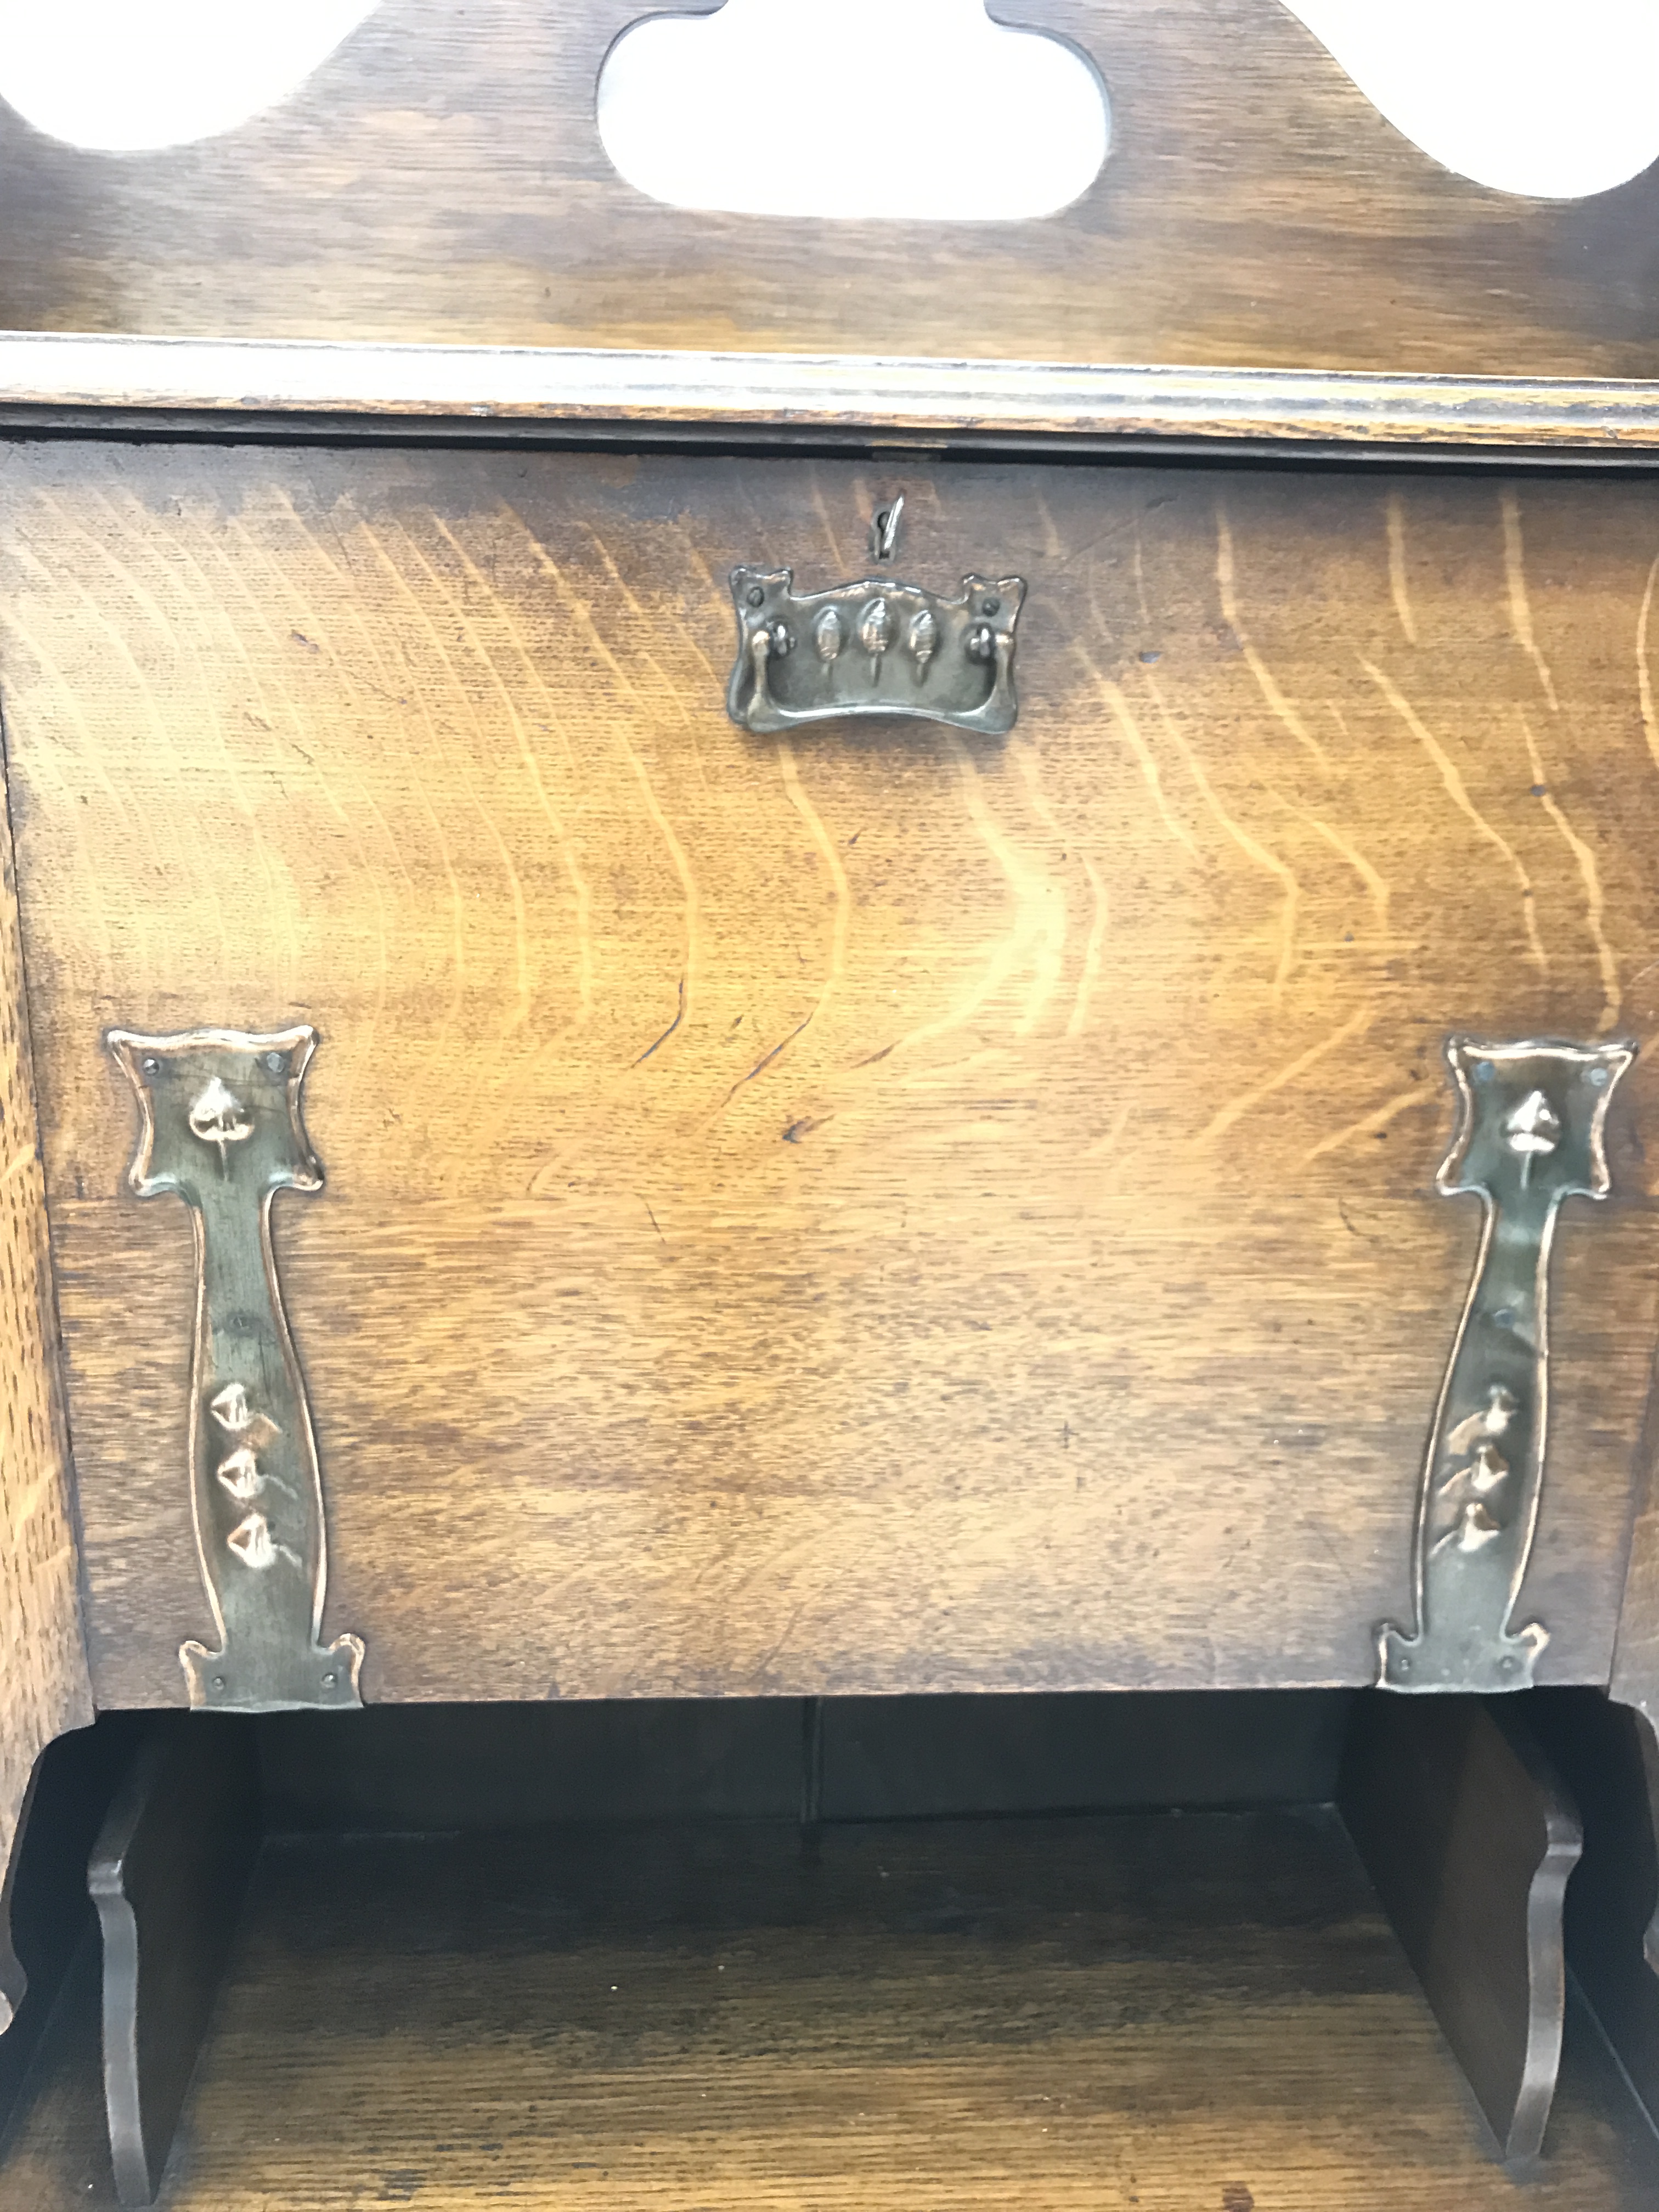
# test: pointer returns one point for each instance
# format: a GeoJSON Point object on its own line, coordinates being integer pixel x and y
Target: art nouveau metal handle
{"type": "Point", "coordinates": [1531, 1119]}
{"type": "Point", "coordinates": [873, 647]}
{"type": "Point", "coordinates": [222, 1127]}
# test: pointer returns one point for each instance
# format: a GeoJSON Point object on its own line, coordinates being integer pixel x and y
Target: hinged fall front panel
{"type": "Point", "coordinates": [876, 1207]}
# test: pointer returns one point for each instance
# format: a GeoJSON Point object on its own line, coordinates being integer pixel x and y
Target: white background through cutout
{"type": "Point", "coordinates": [917, 108]}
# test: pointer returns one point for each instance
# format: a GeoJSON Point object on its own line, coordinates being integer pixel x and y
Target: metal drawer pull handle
{"type": "Point", "coordinates": [1530, 1133]}
{"type": "Point", "coordinates": [874, 648]}
{"type": "Point", "coordinates": [222, 1127]}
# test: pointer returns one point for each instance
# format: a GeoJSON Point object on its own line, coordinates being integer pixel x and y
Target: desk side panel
{"type": "Point", "coordinates": [45, 1687]}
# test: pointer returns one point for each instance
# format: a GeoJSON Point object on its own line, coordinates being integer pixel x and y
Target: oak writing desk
{"type": "Point", "coordinates": [791, 962]}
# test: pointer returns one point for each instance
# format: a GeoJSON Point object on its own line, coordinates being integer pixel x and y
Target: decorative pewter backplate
{"type": "Point", "coordinates": [1531, 1119]}
{"type": "Point", "coordinates": [875, 647]}
{"type": "Point", "coordinates": [221, 1128]}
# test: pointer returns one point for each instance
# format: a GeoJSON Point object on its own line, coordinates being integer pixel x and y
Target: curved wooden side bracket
{"type": "Point", "coordinates": [168, 1874]}
{"type": "Point", "coordinates": [1469, 1837]}
{"type": "Point", "coordinates": [1609, 1753]}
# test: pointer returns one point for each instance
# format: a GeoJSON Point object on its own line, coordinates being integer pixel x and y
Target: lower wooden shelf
{"type": "Point", "coordinates": [1199, 2012]}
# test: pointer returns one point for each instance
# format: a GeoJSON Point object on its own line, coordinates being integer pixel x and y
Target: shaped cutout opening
{"type": "Point", "coordinates": [1553, 99]}
{"type": "Point", "coordinates": [920, 110]}
{"type": "Point", "coordinates": [917, 109]}
{"type": "Point", "coordinates": [131, 76]}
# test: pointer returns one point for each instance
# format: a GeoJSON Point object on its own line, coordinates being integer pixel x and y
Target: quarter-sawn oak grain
{"type": "Point", "coordinates": [881, 1213]}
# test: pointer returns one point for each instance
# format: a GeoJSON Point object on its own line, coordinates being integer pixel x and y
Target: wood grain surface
{"type": "Point", "coordinates": [44, 1685]}
{"type": "Point", "coordinates": [877, 1212]}
{"type": "Point", "coordinates": [440, 178]}
{"type": "Point", "coordinates": [1203, 2013]}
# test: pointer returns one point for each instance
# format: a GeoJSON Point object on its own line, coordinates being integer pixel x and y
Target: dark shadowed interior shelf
{"type": "Point", "coordinates": [1174, 2012]}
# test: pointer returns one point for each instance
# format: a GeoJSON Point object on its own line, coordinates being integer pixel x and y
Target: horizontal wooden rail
{"type": "Point", "coordinates": [47, 377]}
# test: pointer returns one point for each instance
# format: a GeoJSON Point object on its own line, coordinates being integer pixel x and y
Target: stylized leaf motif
{"type": "Point", "coordinates": [253, 1543]}
{"type": "Point", "coordinates": [875, 629]}
{"type": "Point", "coordinates": [218, 1117]}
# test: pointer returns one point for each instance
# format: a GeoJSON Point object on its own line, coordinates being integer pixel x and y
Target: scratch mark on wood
{"type": "Point", "coordinates": [763, 1063]}
{"type": "Point", "coordinates": [679, 1017]}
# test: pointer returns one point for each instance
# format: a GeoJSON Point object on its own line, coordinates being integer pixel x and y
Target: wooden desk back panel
{"type": "Point", "coordinates": [884, 1211]}
{"type": "Point", "coordinates": [441, 178]}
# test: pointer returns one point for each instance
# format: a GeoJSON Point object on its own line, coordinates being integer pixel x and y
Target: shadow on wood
{"type": "Point", "coordinates": [168, 1875]}
{"type": "Point", "coordinates": [1470, 1838]}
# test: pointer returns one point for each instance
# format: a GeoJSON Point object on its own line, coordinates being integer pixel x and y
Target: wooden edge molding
{"type": "Point", "coordinates": [45, 1685]}
{"type": "Point", "coordinates": [47, 377]}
